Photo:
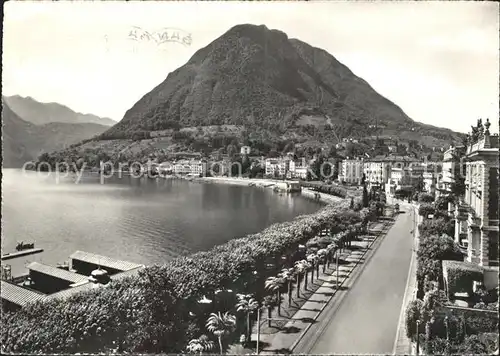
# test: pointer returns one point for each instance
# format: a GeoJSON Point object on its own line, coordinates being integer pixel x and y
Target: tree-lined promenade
{"type": "Point", "coordinates": [203, 300]}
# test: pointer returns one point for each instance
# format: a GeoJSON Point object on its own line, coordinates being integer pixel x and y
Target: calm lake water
{"type": "Point", "coordinates": [141, 220]}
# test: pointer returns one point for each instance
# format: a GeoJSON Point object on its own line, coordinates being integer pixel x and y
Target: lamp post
{"type": "Point", "coordinates": [337, 270]}
{"type": "Point", "coordinates": [258, 331]}
{"type": "Point", "coordinates": [418, 336]}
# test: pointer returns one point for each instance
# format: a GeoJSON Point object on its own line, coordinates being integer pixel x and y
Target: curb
{"type": "Point", "coordinates": [303, 333]}
{"type": "Point", "coordinates": [409, 294]}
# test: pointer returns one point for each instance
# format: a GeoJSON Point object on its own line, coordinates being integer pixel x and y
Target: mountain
{"type": "Point", "coordinates": [43, 113]}
{"type": "Point", "coordinates": [23, 141]}
{"type": "Point", "coordinates": [260, 79]}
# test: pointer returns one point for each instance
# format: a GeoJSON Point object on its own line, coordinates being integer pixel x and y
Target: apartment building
{"type": "Point", "coordinates": [298, 169]}
{"type": "Point", "coordinates": [477, 215]}
{"type": "Point", "coordinates": [351, 171]}
{"type": "Point", "coordinates": [277, 167]}
{"type": "Point", "coordinates": [191, 167]}
{"type": "Point", "coordinates": [378, 169]}
{"type": "Point", "coordinates": [452, 168]}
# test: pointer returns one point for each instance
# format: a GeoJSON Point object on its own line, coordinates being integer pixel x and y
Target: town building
{"type": "Point", "coordinates": [298, 169]}
{"type": "Point", "coordinates": [452, 169]}
{"type": "Point", "coordinates": [190, 167]}
{"type": "Point", "coordinates": [377, 170]}
{"type": "Point", "coordinates": [476, 217]}
{"type": "Point", "coordinates": [351, 171]}
{"type": "Point", "coordinates": [277, 167]}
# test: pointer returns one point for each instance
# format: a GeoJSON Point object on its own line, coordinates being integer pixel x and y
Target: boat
{"type": "Point", "coordinates": [24, 246]}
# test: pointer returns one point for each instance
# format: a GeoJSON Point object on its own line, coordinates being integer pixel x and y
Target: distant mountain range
{"type": "Point", "coordinates": [24, 141]}
{"type": "Point", "coordinates": [39, 113]}
{"type": "Point", "coordinates": [258, 78]}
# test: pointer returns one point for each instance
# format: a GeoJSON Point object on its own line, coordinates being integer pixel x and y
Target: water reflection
{"type": "Point", "coordinates": [142, 220]}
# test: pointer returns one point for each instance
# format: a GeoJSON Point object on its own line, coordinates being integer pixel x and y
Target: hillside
{"type": "Point", "coordinates": [259, 78]}
{"type": "Point", "coordinates": [43, 113]}
{"type": "Point", "coordinates": [23, 141]}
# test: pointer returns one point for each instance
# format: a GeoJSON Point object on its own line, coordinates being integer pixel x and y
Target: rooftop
{"type": "Point", "coordinates": [104, 261]}
{"type": "Point", "coordinates": [57, 272]}
{"type": "Point", "coordinates": [19, 295]}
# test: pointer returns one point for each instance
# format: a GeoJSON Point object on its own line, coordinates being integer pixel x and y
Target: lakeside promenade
{"type": "Point", "coordinates": [363, 314]}
{"type": "Point", "coordinates": [266, 183]}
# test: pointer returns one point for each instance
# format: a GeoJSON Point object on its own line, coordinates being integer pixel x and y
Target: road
{"type": "Point", "coordinates": [365, 320]}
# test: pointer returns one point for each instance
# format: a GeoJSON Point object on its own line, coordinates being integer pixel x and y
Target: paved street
{"type": "Point", "coordinates": [366, 319]}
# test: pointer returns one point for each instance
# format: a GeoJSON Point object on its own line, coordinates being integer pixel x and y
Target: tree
{"type": "Point", "coordinates": [275, 284]}
{"type": "Point", "coordinates": [425, 198]}
{"type": "Point", "coordinates": [313, 260]}
{"type": "Point", "coordinates": [221, 325]}
{"type": "Point", "coordinates": [365, 196]}
{"type": "Point", "coordinates": [231, 151]}
{"type": "Point", "coordinates": [270, 301]}
{"type": "Point", "coordinates": [247, 304]}
{"type": "Point", "coordinates": [301, 268]}
{"type": "Point", "coordinates": [288, 274]}
{"type": "Point", "coordinates": [419, 184]}
{"type": "Point", "coordinates": [200, 344]}
{"type": "Point", "coordinates": [425, 210]}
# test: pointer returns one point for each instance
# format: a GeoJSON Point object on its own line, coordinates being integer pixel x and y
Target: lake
{"type": "Point", "coordinates": [147, 221]}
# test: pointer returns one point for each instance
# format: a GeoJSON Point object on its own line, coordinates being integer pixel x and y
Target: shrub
{"type": "Point", "coordinates": [441, 203]}
{"type": "Point", "coordinates": [438, 227]}
{"type": "Point", "coordinates": [472, 345]}
{"type": "Point", "coordinates": [412, 315]}
{"type": "Point", "coordinates": [150, 313]}
{"type": "Point", "coordinates": [425, 209]}
{"type": "Point", "coordinates": [431, 252]}
{"type": "Point", "coordinates": [425, 198]}
{"type": "Point", "coordinates": [460, 276]}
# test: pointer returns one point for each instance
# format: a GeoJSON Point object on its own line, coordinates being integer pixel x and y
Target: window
{"type": "Point", "coordinates": [493, 198]}
{"type": "Point", "coordinates": [493, 248]}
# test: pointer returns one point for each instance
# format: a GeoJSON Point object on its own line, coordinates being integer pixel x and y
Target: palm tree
{"type": "Point", "coordinates": [288, 274]}
{"type": "Point", "coordinates": [322, 256]}
{"type": "Point", "coordinates": [221, 325]}
{"type": "Point", "coordinates": [301, 267]}
{"type": "Point", "coordinates": [312, 259]}
{"type": "Point", "coordinates": [270, 302]}
{"type": "Point", "coordinates": [330, 249]}
{"type": "Point", "coordinates": [247, 304]}
{"type": "Point", "coordinates": [275, 284]}
{"type": "Point", "coordinates": [199, 345]}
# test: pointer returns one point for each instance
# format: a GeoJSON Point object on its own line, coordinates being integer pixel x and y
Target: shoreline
{"type": "Point", "coordinates": [266, 183]}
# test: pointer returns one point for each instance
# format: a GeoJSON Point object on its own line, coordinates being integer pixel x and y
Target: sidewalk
{"type": "Point", "coordinates": [403, 345]}
{"type": "Point", "coordinates": [287, 330]}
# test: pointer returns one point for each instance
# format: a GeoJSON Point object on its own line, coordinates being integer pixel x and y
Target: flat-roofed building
{"type": "Point", "coordinates": [15, 297]}
{"type": "Point", "coordinates": [351, 171]}
{"type": "Point", "coordinates": [48, 279]}
{"type": "Point", "coordinates": [86, 262]}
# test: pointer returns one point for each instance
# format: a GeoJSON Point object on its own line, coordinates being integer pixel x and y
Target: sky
{"type": "Point", "coordinates": [438, 61]}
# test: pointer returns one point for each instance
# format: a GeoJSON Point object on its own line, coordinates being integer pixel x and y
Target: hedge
{"type": "Point", "coordinates": [150, 313]}
{"type": "Point", "coordinates": [438, 226]}
{"type": "Point", "coordinates": [460, 276]}
{"type": "Point", "coordinates": [425, 209]}
{"type": "Point", "coordinates": [425, 198]}
{"type": "Point", "coordinates": [431, 252]}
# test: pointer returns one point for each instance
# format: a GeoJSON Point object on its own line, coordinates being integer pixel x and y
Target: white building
{"type": "Point", "coordinates": [192, 167]}
{"type": "Point", "coordinates": [277, 167]}
{"type": "Point", "coordinates": [298, 169]}
{"type": "Point", "coordinates": [351, 171]}
{"type": "Point", "coordinates": [451, 169]}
